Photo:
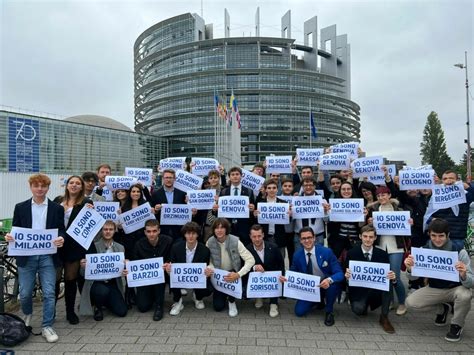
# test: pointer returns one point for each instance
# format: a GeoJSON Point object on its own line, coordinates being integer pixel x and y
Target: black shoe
{"type": "Point", "coordinates": [329, 320]}
{"type": "Point", "coordinates": [454, 333]}
{"type": "Point", "coordinates": [441, 318]}
{"type": "Point", "coordinates": [72, 318]}
{"type": "Point", "coordinates": [98, 314]}
{"type": "Point", "coordinates": [158, 315]}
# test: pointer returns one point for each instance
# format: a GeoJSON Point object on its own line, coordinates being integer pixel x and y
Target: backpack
{"type": "Point", "coordinates": [13, 329]}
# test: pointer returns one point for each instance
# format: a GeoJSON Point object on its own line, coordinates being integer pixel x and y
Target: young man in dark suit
{"type": "Point", "coordinates": [267, 257]}
{"type": "Point", "coordinates": [189, 251]}
{"type": "Point", "coordinates": [363, 298]}
{"type": "Point", "coordinates": [168, 194]}
{"type": "Point", "coordinates": [39, 213]}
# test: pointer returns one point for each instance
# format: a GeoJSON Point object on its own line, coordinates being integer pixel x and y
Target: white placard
{"type": "Point", "coordinates": [367, 166]}
{"type": "Point", "coordinates": [171, 163]}
{"type": "Point", "coordinates": [307, 207]}
{"type": "Point", "coordinates": [273, 213]}
{"type": "Point", "coordinates": [308, 156]}
{"type": "Point", "coordinates": [202, 166]}
{"type": "Point", "coordinates": [233, 207]}
{"type": "Point", "coordinates": [279, 164]}
{"type": "Point", "coordinates": [286, 198]}
{"type": "Point", "coordinates": [86, 226]}
{"type": "Point", "coordinates": [32, 242]}
{"type": "Point", "coordinates": [339, 161]}
{"type": "Point", "coordinates": [106, 193]}
{"type": "Point", "coordinates": [202, 199]}
{"type": "Point", "coordinates": [302, 287]}
{"type": "Point", "coordinates": [379, 179]}
{"type": "Point", "coordinates": [188, 275]}
{"type": "Point", "coordinates": [175, 214]}
{"type": "Point", "coordinates": [233, 289]}
{"type": "Point", "coordinates": [104, 266]}
{"type": "Point", "coordinates": [437, 264]}
{"type": "Point", "coordinates": [346, 210]}
{"type": "Point", "coordinates": [145, 272]}
{"type": "Point", "coordinates": [186, 181]}
{"type": "Point", "coordinates": [252, 181]}
{"type": "Point", "coordinates": [119, 182]}
{"type": "Point", "coordinates": [446, 196]}
{"type": "Point", "coordinates": [416, 179]}
{"type": "Point", "coordinates": [392, 223]}
{"type": "Point", "coordinates": [369, 275]}
{"type": "Point", "coordinates": [135, 219]}
{"type": "Point", "coordinates": [350, 147]}
{"type": "Point", "coordinates": [145, 176]}
{"type": "Point", "coordinates": [108, 210]}
{"type": "Point", "coordinates": [264, 285]}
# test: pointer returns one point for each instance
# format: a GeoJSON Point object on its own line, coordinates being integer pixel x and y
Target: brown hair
{"type": "Point", "coordinates": [39, 179]}
{"type": "Point", "coordinates": [190, 227]}
{"type": "Point", "coordinates": [80, 198]}
{"type": "Point", "coordinates": [221, 222]}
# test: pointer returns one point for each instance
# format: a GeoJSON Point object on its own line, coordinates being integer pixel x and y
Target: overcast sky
{"type": "Point", "coordinates": [73, 57]}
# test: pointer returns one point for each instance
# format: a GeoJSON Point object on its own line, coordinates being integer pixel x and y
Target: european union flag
{"type": "Point", "coordinates": [314, 134]}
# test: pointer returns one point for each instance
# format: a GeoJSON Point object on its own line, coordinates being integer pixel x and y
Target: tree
{"type": "Point", "coordinates": [433, 147]}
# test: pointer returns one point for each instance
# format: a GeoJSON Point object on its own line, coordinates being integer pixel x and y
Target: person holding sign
{"type": "Point", "coordinates": [153, 246]}
{"type": "Point", "coordinates": [189, 251]}
{"type": "Point", "coordinates": [315, 259]}
{"type": "Point", "coordinates": [168, 194]}
{"type": "Point", "coordinates": [287, 187]}
{"type": "Point", "coordinates": [104, 293]}
{"type": "Point", "coordinates": [395, 246]}
{"type": "Point", "coordinates": [267, 258]}
{"type": "Point", "coordinates": [103, 170]}
{"type": "Point", "coordinates": [39, 212]}
{"type": "Point", "coordinates": [73, 202]}
{"type": "Point", "coordinates": [227, 253]}
{"type": "Point", "coordinates": [441, 293]}
{"type": "Point", "coordinates": [362, 298]}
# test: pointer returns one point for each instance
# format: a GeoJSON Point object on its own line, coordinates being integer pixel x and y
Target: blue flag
{"type": "Point", "coordinates": [314, 134]}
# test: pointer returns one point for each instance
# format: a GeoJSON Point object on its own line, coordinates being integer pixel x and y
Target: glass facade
{"type": "Point", "coordinates": [178, 72]}
{"type": "Point", "coordinates": [31, 143]}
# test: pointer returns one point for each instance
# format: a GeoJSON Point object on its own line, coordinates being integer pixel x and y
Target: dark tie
{"type": "Point", "coordinates": [236, 191]}
{"type": "Point", "coordinates": [309, 265]}
{"type": "Point", "coordinates": [366, 256]}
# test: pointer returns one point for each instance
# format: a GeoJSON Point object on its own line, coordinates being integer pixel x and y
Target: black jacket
{"type": "Point", "coordinates": [273, 260]}
{"type": "Point", "coordinates": [201, 255]}
{"type": "Point", "coordinates": [144, 250]}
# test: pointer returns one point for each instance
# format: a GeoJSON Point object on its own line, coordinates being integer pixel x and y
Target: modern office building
{"type": "Point", "coordinates": [30, 143]}
{"type": "Point", "coordinates": [277, 81]}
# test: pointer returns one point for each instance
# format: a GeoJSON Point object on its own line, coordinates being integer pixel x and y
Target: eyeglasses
{"type": "Point", "coordinates": [305, 239]}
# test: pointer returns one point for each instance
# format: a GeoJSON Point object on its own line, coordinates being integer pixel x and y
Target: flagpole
{"type": "Point", "coordinates": [215, 122]}
{"type": "Point", "coordinates": [310, 133]}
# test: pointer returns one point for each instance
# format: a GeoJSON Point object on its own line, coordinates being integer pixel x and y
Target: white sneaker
{"type": "Point", "coordinates": [177, 307]}
{"type": "Point", "coordinates": [258, 303]}
{"type": "Point", "coordinates": [274, 310]}
{"type": "Point", "coordinates": [49, 334]}
{"type": "Point", "coordinates": [401, 310]}
{"type": "Point", "coordinates": [184, 292]}
{"type": "Point", "coordinates": [27, 319]}
{"type": "Point", "coordinates": [233, 312]}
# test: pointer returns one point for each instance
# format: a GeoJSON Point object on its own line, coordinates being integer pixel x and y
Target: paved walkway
{"type": "Point", "coordinates": [251, 332]}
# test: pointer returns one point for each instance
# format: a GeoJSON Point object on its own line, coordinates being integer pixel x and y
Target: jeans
{"type": "Point", "coordinates": [44, 266]}
{"type": "Point", "coordinates": [108, 295]}
{"type": "Point", "coordinates": [395, 260]}
{"type": "Point", "coordinates": [149, 295]}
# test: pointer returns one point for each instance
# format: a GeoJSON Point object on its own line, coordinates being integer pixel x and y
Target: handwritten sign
{"type": "Point", "coordinates": [202, 166]}
{"type": "Point", "coordinates": [302, 287]}
{"type": "Point", "coordinates": [171, 163]}
{"type": "Point", "coordinates": [108, 210]}
{"type": "Point", "coordinates": [339, 161]}
{"type": "Point", "coordinates": [252, 181]}
{"type": "Point", "coordinates": [188, 275]}
{"type": "Point", "coordinates": [350, 147]}
{"type": "Point", "coordinates": [175, 215]}
{"type": "Point", "coordinates": [86, 226]}
{"type": "Point", "coordinates": [145, 272]}
{"type": "Point", "coordinates": [446, 196]}
{"type": "Point", "coordinates": [308, 156]}
{"type": "Point", "coordinates": [264, 284]}
{"type": "Point", "coordinates": [233, 207]}
{"type": "Point", "coordinates": [119, 182]}
{"type": "Point", "coordinates": [186, 181]}
{"type": "Point", "coordinates": [104, 266]}
{"type": "Point", "coordinates": [202, 199]}
{"type": "Point", "coordinates": [369, 275]}
{"type": "Point", "coordinates": [233, 289]}
{"type": "Point", "coordinates": [416, 179]}
{"type": "Point", "coordinates": [273, 213]}
{"type": "Point", "coordinates": [392, 223]}
{"type": "Point", "coordinates": [307, 207]}
{"type": "Point", "coordinates": [145, 176]}
{"type": "Point", "coordinates": [346, 210]}
{"type": "Point", "coordinates": [367, 166]}
{"type": "Point", "coordinates": [32, 241]}
{"type": "Point", "coordinates": [279, 165]}
{"type": "Point", "coordinates": [437, 264]}
{"type": "Point", "coordinates": [135, 219]}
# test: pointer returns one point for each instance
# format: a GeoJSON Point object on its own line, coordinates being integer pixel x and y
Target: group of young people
{"type": "Point", "coordinates": [240, 245]}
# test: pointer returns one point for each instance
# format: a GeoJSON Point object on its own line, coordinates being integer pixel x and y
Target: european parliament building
{"type": "Point", "coordinates": [277, 82]}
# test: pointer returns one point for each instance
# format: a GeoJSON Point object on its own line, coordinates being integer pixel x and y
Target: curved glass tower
{"type": "Point", "coordinates": [179, 67]}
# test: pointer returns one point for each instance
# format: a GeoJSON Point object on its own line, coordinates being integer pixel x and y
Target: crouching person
{"type": "Point", "coordinates": [441, 293]}
{"type": "Point", "coordinates": [102, 294]}
{"type": "Point", "coordinates": [362, 298]}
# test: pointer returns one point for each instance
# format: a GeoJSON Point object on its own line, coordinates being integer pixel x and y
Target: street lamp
{"type": "Point", "coordinates": [468, 140]}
